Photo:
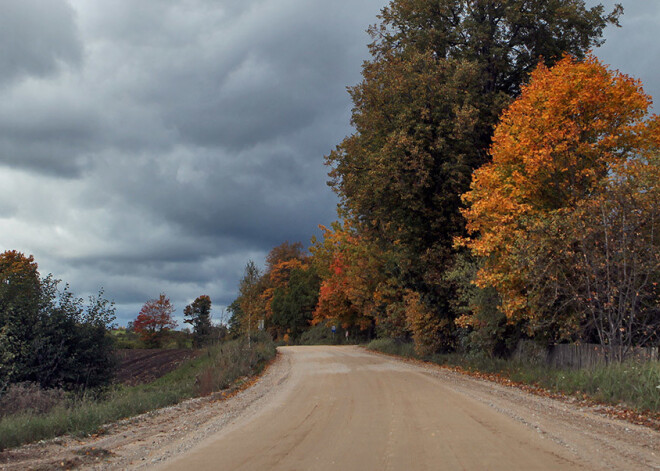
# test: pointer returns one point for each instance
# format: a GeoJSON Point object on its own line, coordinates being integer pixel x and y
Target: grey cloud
{"type": "Point", "coordinates": [37, 37]}
{"type": "Point", "coordinates": [633, 48]}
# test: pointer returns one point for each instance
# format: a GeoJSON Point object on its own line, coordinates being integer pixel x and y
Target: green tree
{"type": "Point", "coordinates": [294, 304]}
{"type": "Point", "coordinates": [198, 314]}
{"type": "Point", "coordinates": [424, 113]}
{"type": "Point", "coordinates": [49, 336]}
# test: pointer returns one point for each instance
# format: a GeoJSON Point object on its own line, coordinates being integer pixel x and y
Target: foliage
{"type": "Point", "coordinates": [155, 321]}
{"type": "Point", "coordinates": [440, 75]}
{"type": "Point", "coordinates": [429, 333]}
{"type": "Point", "coordinates": [484, 329]}
{"type": "Point", "coordinates": [293, 304]}
{"type": "Point", "coordinates": [236, 318]}
{"type": "Point", "coordinates": [48, 336]}
{"type": "Point", "coordinates": [566, 215]}
{"type": "Point", "coordinates": [348, 291]}
{"type": "Point", "coordinates": [250, 300]}
{"type": "Point", "coordinates": [281, 262]}
{"type": "Point", "coordinates": [198, 314]}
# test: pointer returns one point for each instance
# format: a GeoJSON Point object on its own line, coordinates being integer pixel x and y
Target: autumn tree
{"type": "Point", "coordinates": [281, 261]}
{"type": "Point", "coordinates": [351, 275]}
{"type": "Point", "coordinates": [441, 73]}
{"type": "Point", "coordinates": [198, 315]}
{"type": "Point", "coordinates": [154, 321]}
{"type": "Point", "coordinates": [565, 217]}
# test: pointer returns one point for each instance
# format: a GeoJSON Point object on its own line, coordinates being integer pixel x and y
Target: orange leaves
{"type": "Point", "coordinates": [154, 320]}
{"type": "Point", "coordinates": [575, 126]}
{"type": "Point", "coordinates": [350, 276]}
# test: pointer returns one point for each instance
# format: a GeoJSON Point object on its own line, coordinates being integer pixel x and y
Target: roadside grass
{"type": "Point", "coordinates": [631, 384]}
{"type": "Point", "coordinates": [219, 368]}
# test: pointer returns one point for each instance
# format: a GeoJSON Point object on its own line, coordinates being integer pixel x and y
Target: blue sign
{"type": "Point", "coordinates": [334, 329]}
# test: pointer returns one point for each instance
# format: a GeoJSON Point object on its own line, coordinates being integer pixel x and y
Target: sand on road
{"type": "Point", "coordinates": [343, 408]}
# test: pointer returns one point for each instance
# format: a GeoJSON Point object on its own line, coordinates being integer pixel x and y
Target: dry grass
{"type": "Point", "coordinates": [29, 397]}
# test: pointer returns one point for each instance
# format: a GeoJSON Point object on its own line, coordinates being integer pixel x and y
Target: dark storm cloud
{"type": "Point", "coordinates": [189, 139]}
{"type": "Point", "coordinates": [157, 145]}
{"type": "Point", "coordinates": [36, 37]}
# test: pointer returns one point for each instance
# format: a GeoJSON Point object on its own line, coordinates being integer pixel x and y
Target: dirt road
{"type": "Point", "coordinates": [344, 408]}
{"type": "Point", "coordinates": [347, 409]}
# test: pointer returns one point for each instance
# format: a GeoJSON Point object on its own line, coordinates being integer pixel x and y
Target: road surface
{"type": "Point", "coordinates": [342, 408]}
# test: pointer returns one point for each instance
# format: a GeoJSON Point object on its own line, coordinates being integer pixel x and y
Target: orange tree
{"type": "Point", "coordinates": [574, 166]}
{"type": "Point", "coordinates": [154, 321]}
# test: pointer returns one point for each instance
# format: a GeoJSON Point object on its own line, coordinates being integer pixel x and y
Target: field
{"type": "Point", "coordinates": [140, 366]}
{"type": "Point", "coordinates": [146, 380]}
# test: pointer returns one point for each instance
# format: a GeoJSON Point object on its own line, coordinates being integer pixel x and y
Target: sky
{"type": "Point", "coordinates": [156, 146]}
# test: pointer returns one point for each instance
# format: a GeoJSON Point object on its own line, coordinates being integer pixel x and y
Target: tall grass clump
{"type": "Point", "coordinates": [84, 414]}
{"type": "Point", "coordinates": [232, 360]}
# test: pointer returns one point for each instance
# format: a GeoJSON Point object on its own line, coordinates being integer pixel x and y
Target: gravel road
{"type": "Point", "coordinates": [319, 408]}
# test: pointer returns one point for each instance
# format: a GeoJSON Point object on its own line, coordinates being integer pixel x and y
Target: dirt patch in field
{"type": "Point", "coordinates": [138, 366]}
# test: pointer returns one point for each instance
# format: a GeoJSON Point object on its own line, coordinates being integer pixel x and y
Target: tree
{"type": "Point", "coordinates": [565, 217]}
{"type": "Point", "coordinates": [294, 303]}
{"type": "Point", "coordinates": [350, 281]}
{"type": "Point", "coordinates": [280, 263]}
{"type": "Point", "coordinates": [424, 113]}
{"type": "Point", "coordinates": [250, 300]}
{"type": "Point", "coordinates": [154, 321]}
{"type": "Point", "coordinates": [198, 314]}
{"type": "Point", "coordinates": [49, 336]}
{"type": "Point", "coordinates": [284, 252]}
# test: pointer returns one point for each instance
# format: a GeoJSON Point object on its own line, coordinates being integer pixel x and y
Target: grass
{"type": "Point", "coordinates": [634, 385]}
{"type": "Point", "coordinates": [218, 369]}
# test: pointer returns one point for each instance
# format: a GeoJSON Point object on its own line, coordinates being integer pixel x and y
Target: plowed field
{"type": "Point", "coordinates": [137, 366]}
